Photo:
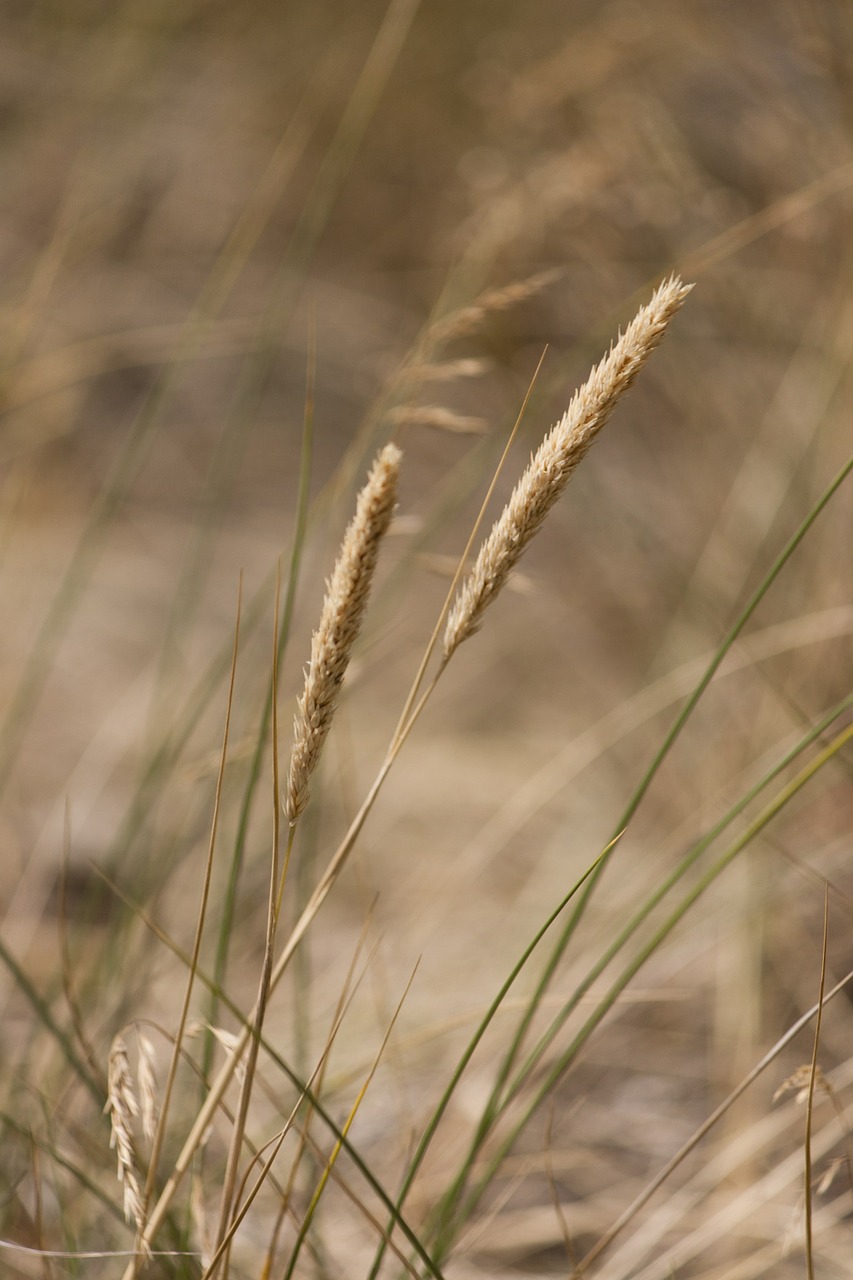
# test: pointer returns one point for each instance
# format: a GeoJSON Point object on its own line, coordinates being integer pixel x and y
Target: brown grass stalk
{"type": "Point", "coordinates": [552, 465]}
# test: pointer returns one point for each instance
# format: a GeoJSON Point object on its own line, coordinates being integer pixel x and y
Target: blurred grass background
{"type": "Point", "coordinates": [189, 192]}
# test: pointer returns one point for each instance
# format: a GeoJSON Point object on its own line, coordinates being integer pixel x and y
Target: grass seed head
{"type": "Point", "coordinates": [552, 465]}
{"type": "Point", "coordinates": [340, 622]}
{"type": "Point", "coordinates": [147, 1086]}
{"type": "Point", "coordinates": [123, 1109]}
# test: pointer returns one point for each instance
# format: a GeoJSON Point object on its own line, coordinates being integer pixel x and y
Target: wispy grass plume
{"type": "Point", "coordinates": [551, 466]}
{"type": "Point", "coordinates": [123, 1109]}
{"type": "Point", "coordinates": [343, 610]}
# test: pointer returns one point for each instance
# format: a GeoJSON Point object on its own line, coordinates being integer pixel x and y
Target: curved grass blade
{"type": "Point", "coordinates": [493, 1103]}
{"type": "Point", "coordinates": [298, 1083]}
{"type": "Point", "coordinates": [555, 1073]}
{"type": "Point", "coordinates": [435, 1119]}
{"type": "Point", "coordinates": [705, 1128]}
{"type": "Point", "coordinates": [454, 1192]}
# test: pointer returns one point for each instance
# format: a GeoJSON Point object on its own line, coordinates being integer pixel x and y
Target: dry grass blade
{"type": "Point", "coordinates": [551, 466]}
{"type": "Point", "coordinates": [672, 1164]}
{"type": "Point", "coordinates": [443, 370]}
{"type": "Point", "coordinates": [200, 1223]}
{"type": "Point", "coordinates": [813, 1076]}
{"type": "Point", "coordinates": [340, 622]}
{"type": "Point", "coordinates": [338, 1147]}
{"type": "Point", "coordinates": [238, 1130]}
{"type": "Point", "coordinates": [160, 1126]}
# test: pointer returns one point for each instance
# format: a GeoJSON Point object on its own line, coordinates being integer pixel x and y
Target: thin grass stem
{"type": "Point", "coordinates": [160, 1132]}
{"type": "Point", "coordinates": [460, 568]}
{"type": "Point", "coordinates": [297, 549]}
{"type": "Point", "coordinates": [807, 1142]}
{"type": "Point", "coordinates": [238, 1130]}
{"type": "Point", "coordinates": [336, 1151]}
{"type": "Point", "coordinates": [444, 1100]}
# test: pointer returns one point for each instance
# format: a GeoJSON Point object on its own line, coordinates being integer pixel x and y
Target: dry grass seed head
{"type": "Point", "coordinates": [443, 370]}
{"type": "Point", "coordinates": [123, 1109]}
{"type": "Point", "coordinates": [551, 466]}
{"type": "Point", "coordinates": [340, 622]}
{"type": "Point", "coordinates": [441, 419]}
{"type": "Point", "coordinates": [459, 323]}
{"type": "Point", "coordinates": [200, 1220]}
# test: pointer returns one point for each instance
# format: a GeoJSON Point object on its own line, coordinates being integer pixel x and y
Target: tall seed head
{"type": "Point", "coordinates": [340, 622]}
{"type": "Point", "coordinates": [551, 466]}
{"type": "Point", "coordinates": [123, 1108]}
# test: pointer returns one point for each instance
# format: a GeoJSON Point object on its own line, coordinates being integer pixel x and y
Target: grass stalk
{"type": "Point", "coordinates": [707, 1125]}
{"type": "Point", "coordinates": [556, 459]}
{"type": "Point", "coordinates": [159, 1136]}
{"type": "Point", "coordinates": [239, 1127]}
{"type": "Point", "coordinates": [336, 1150]}
{"type": "Point", "coordinates": [298, 545]}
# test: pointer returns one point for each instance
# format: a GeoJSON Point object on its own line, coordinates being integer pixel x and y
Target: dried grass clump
{"type": "Point", "coordinates": [551, 466]}
{"type": "Point", "coordinates": [343, 609]}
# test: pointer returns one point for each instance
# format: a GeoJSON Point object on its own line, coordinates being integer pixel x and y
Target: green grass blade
{"type": "Point", "coordinates": [300, 1086]}
{"type": "Point", "coordinates": [262, 740]}
{"type": "Point", "coordinates": [444, 1100]}
{"type": "Point", "coordinates": [45, 1016]}
{"type": "Point", "coordinates": [665, 748]}
{"type": "Point", "coordinates": [630, 971]}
